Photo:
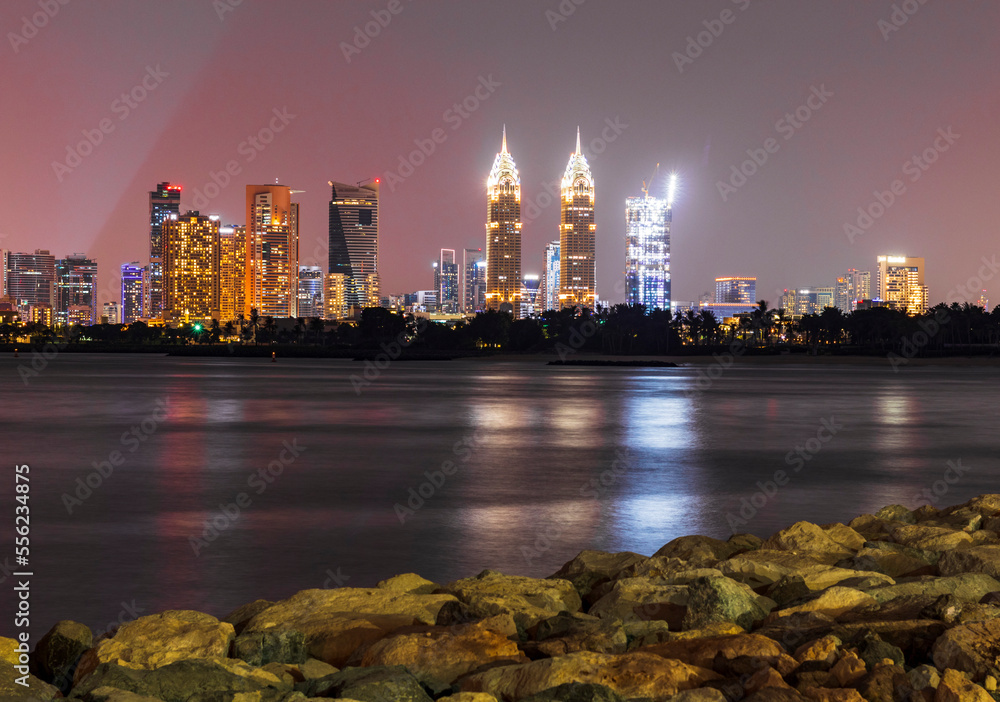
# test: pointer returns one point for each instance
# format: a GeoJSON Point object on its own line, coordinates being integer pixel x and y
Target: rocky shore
{"type": "Point", "coordinates": [897, 606]}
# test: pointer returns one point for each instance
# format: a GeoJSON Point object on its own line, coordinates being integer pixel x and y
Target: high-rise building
{"type": "Point", "coordinates": [110, 313]}
{"type": "Point", "coordinates": [824, 298]}
{"type": "Point", "coordinates": [578, 234]}
{"type": "Point", "coordinates": [335, 295]}
{"type": "Point", "coordinates": [446, 282]}
{"type": "Point", "coordinates": [531, 296]}
{"type": "Point", "coordinates": [31, 281]}
{"type": "Point", "coordinates": [647, 249]}
{"type": "Point", "coordinates": [842, 295]}
{"type": "Point", "coordinates": [163, 202]}
{"type": "Point", "coordinates": [550, 278]}
{"type": "Point", "coordinates": [788, 302]}
{"type": "Point", "coordinates": [4, 256]}
{"type": "Point", "coordinates": [75, 287]}
{"type": "Point", "coordinates": [859, 285]}
{"type": "Point", "coordinates": [192, 278]}
{"type": "Point", "coordinates": [900, 283]}
{"type": "Point", "coordinates": [736, 290]}
{"type": "Point", "coordinates": [134, 292]}
{"type": "Point", "coordinates": [473, 281]}
{"type": "Point", "coordinates": [503, 234]}
{"type": "Point", "coordinates": [353, 232]}
{"type": "Point", "coordinates": [272, 251]}
{"type": "Point", "coordinates": [311, 292]}
{"type": "Point", "coordinates": [233, 270]}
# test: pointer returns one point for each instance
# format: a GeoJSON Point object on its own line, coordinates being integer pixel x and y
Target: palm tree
{"type": "Point", "coordinates": [254, 324]}
{"type": "Point", "coordinates": [763, 321]}
{"type": "Point", "coordinates": [215, 330]}
{"type": "Point", "coordinates": [316, 327]}
{"type": "Point", "coordinates": [269, 326]}
{"type": "Point", "coordinates": [710, 325]}
{"type": "Point", "coordinates": [229, 329]}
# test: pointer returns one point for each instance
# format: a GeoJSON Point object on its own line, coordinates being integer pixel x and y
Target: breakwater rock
{"type": "Point", "coordinates": [901, 605]}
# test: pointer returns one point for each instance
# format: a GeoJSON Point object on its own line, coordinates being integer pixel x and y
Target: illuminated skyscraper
{"type": "Point", "coordinates": [233, 269]}
{"type": "Point", "coordinates": [446, 282]}
{"type": "Point", "coordinates": [163, 202]}
{"type": "Point", "coordinates": [335, 296]}
{"type": "Point", "coordinates": [842, 295]}
{"type": "Point", "coordinates": [110, 313]}
{"type": "Point", "coordinates": [577, 234]}
{"type": "Point", "coordinates": [647, 249]}
{"type": "Point", "coordinates": [736, 290]}
{"type": "Point", "coordinates": [134, 292]}
{"type": "Point", "coordinates": [531, 297]}
{"type": "Point", "coordinates": [31, 281]}
{"type": "Point", "coordinates": [503, 234]}
{"type": "Point", "coordinates": [272, 260]}
{"type": "Point", "coordinates": [191, 268]}
{"type": "Point", "coordinates": [76, 289]}
{"type": "Point", "coordinates": [824, 298]}
{"type": "Point", "coordinates": [311, 292]}
{"type": "Point", "coordinates": [4, 256]}
{"type": "Point", "coordinates": [353, 232]}
{"type": "Point", "coordinates": [549, 287]}
{"type": "Point", "coordinates": [859, 286]}
{"type": "Point", "coordinates": [900, 283]}
{"type": "Point", "coordinates": [473, 281]}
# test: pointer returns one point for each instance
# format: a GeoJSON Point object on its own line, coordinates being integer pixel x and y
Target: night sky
{"type": "Point", "coordinates": [216, 73]}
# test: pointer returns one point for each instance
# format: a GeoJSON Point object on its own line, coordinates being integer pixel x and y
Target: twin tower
{"type": "Point", "coordinates": [577, 234]}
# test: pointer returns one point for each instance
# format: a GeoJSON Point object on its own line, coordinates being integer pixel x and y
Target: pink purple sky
{"type": "Point", "coordinates": [218, 75]}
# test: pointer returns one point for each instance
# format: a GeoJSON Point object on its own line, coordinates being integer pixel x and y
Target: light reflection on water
{"type": "Point", "coordinates": [531, 449]}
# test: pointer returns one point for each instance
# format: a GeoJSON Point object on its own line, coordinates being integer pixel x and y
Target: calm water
{"type": "Point", "coordinates": [527, 446]}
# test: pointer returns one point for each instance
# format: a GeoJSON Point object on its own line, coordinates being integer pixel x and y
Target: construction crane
{"type": "Point", "coordinates": [645, 185]}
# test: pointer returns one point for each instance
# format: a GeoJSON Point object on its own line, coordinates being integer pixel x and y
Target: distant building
{"type": "Point", "coordinates": [311, 291]}
{"type": "Point", "coordinates": [900, 283]}
{"type": "Point", "coordinates": [272, 251]}
{"type": "Point", "coordinates": [735, 290]}
{"type": "Point", "coordinates": [577, 234]}
{"type": "Point", "coordinates": [984, 301]}
{"type": "Point", "coordinates": [503, 234]}
{"type": "Point", "coordinates": [354, 241]}
{"type": "Point", "coordinates": [110, 313]}
{"type": "Point", "coordinates": [530, 296]}
{"type": "Point", "coordinates": [232, 266]}
{"type": "Point", "coordinates": [824, 298]}
{"type": "Point", "coordinates": [75, 287]}
{"type": "Point", "coordinates": [4, 255]}
{"type": "Point", "coordinates": [191, 268]}
{"type": "Point", "coordinates": [647, 250]}
{"type": "Point", "coordinates": [446, 282]}
{"type": "Point", "coordinates": [473, 281]}
{"type": "Point", "coordinates": [31, 280]}
{"type": "Point", "coordinates": [842, 295]}
{"type": "Point", "coordinates": [550, 278]}
{"type": "Point", "coordinates": [134, 304]}
{"type": "Point", "coordinates": [725, 310]}
{"type": "Point", "coordinates": [335, 296]}
{"type": "Point", "coordinates": [859, 285]}
{"type": "Point", "coordinates": [163, 202]}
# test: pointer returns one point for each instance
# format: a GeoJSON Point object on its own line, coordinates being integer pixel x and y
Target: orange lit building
{"type": "Point", "coordinates": [272, 252]}
{"type": "Point", "coordinates": [577, 235]}
{"type": "Point", "coordinates": [503, 234]}
{"type": "Point", "coordinates": [191, 268]}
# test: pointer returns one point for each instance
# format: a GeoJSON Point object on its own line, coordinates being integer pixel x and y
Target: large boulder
{"type": "Point", "coordinates": [955, 687]}
{"type": "Point", "coordinates": [811, 540]}
{"type": "Point", "coordinates": [930, 538]}
{"type": "Point", "coordinates": [58, 652]}
{"type": "Point", "coordinates": [973, 648]}
{"type": "Point", "coordinates": [591, 568]}
{"type": "Point", "coordinates": [978, 559]}
{"type": "Point", "coordinates": [698, 550]}
{"type": "Point", "coordinates": [183, 680]}
{"type": "Point", "coordinates": [767, 566]}
{"type": "Point", "coordinates": [11, 687]}
{"type": "Point", "coordinates": [376, 684]}
{"type": "Point", "coordinates": [160, 639]}
{"type": "Point", "coordinates": [833, 601]}
{"type": "Point", "coordinates": [703, 652]}
{"type": "Point", "coordinates": [969, 587]}
{"type": "Point", "coordinates": [577, 692]}
{"type": "Point", "coordinates": [566, 633]}
{"type": "Point", "coordinates": [629, 674]}
{"type": "Point", "coordinates": [719, 599]}
{"type": "Point", "coordinates": [639, 599]}
{"type": "Point", "coordinates": [528, 600]}
{"type": "Point", "coordinates": [440, 654]}
{"type": "Point", "coordinates": [331, 624]}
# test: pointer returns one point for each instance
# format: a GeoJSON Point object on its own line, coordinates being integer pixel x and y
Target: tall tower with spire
{"type": "Point", "coordinates": [503, 234]}
{"type": "Point", "coordinates": [577, 234]}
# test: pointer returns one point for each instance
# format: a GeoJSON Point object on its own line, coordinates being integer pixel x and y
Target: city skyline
{"type": "Point", "coordinates": [699, 118]}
